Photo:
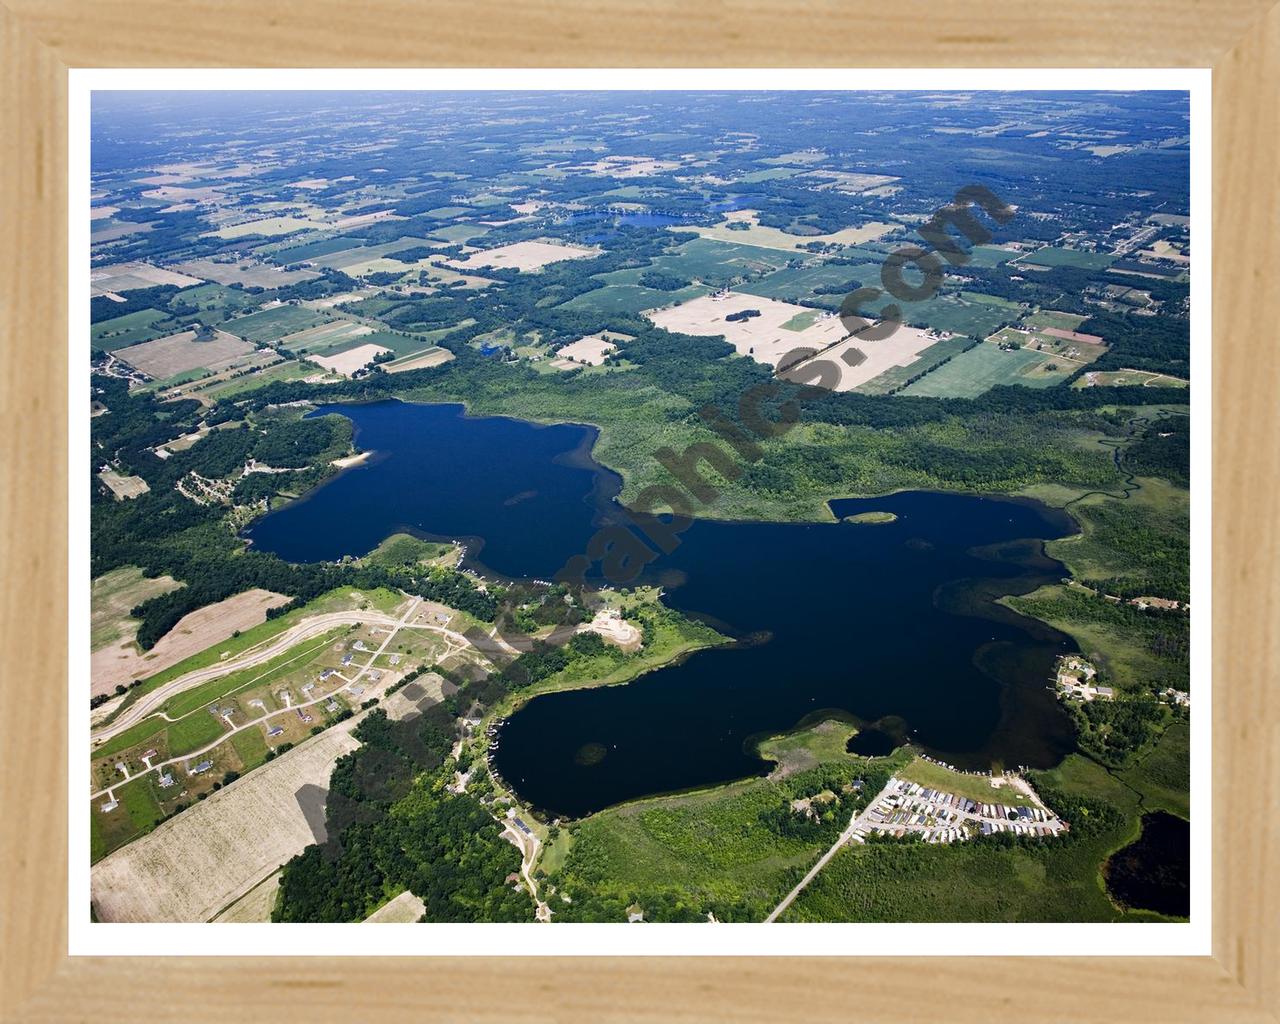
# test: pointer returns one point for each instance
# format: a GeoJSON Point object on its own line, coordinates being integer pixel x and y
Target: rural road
{"type": "Point", "coordinates": [528, 846]}
{"type": "Point", "coordinates": [308, 628]}
{"type": "Point", "coordinates": [822, 861]}
{"type": "Point", "coordinates": [397, 624]}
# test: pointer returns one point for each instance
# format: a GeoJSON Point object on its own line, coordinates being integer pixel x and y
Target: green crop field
{"type": "Point", "coordinates": [130, 329]}
{"type": "Point", "coordinates": [1054, 318]}
{"type": "Point", "coordinates": [458, 232]}
{"type": "Point", "coordinates": [983, 367]}
{"type": "Point", "coordinates": [794, 284]}
{"type": "Point", "coordinates": [897, 376]}
{"type": "Point", "coordinates": [311, 250]}
{"type": "Point", "coordinates": [291, 370]}
{"type": "Point", "coordinates": [622, 298]}
{"type": "Point", "coordinates": [983, 256]}
{"type": "Point", "coordinates": [958, 313]}
{"type": "Point", "coordinates": [717, 263]}
{"type": "Point", "coordinates": [273, 324]}
{"type": "Point", "coordinates": [1050, 256]}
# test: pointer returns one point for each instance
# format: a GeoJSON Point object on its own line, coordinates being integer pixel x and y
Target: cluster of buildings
{"type": "Point", "coordinates": [906, 807]}
{"type": "Point", "coordinates": [1076, 679]}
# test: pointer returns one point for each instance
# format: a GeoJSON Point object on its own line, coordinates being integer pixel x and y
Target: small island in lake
{"type": "Point", "coordinates": [872, 518]}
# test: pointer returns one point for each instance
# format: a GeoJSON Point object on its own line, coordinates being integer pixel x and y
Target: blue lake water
{"type": "Point", "coordinates": [891, 625]}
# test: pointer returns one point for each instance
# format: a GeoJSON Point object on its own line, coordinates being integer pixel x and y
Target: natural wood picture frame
{"type": "Point", "coordinates": [42, 39]}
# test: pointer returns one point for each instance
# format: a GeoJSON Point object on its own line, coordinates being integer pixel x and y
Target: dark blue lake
{"type": "Point", "coordinates": [893, 625]}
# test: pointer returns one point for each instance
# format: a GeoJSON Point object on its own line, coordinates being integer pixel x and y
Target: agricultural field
{"type": "Point", "coordinates": [775, 238]}
{"type": "Point", "coordinates": [165, 358]}
{"type": "Point", "coordinates": [428, 357]}
{"type": "Point", "coordinates": [309, 251]}
{"type": "Point", "coordinates": [901, 353]}
{"type": "Point", "coordinates": [985, 256]}
{"type": "Point", "coordinates": [267, 226]}
{"type": "Point", "coordinates": [251, 273]}
{"type": "Point", "coordinates": [793, 284]}
{"type": "Point", "coordinates": [1051, 256]}
{"type": "Point", "coordinates": [985, 366]}
{"type": "Point", "coordinates": [270, 325]}
{"type": "Point", "coordinates": [112, 596]}
{"type": "Point", "coordinates": [213, 303]}
{"type": "Point", "coordinates": [718, 263]}
{"type": "Point", "coordinates": [349, 361]}
{"type": "Point", "coordinates": [1053, 318]}
{"type": "Point", "coordinates": [763, 337]}
{"type": "Point", "coordinates": [122, 663]}
{"type": "Point", "coordinates": [897, 377]}
{"type": "Point", "coordinates": [625, 298]}
{"type": "Point", "coordinates": [591, 350]}
{"type": "Point", "coordinates": [961, 313]}
{"type": "Point", "coordinates": [130, 329]}
{"type": "Point", "coordinates": [201, 861]}
{"type": "Point", "coordinates": [123, 277]}
{"type": "Point", "coordinates": [522, 256]}
{"type": "Point", "coordinates": [324, 337]}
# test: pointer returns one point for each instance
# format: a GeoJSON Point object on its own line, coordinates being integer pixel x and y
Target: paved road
{"type": "Point", "coordinates": [844, 837]}
{"type": "Point", "coordinates": [312, 626]}
{"type": "Point", "coordinates": [398, 624]}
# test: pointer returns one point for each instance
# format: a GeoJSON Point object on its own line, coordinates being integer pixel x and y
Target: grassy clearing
{"type": "Point", "coordinates": [975, 787]}
{"type": "Point", "coordinates": [733, 850]}
{"type": "Point", "coordinates": [985, 366]}
{"type": "Point", "coordinates": [113, 595]}
{"type": "Point", "coordinates": [1163, 775]}
{"type": "Point", "coordinates": [805, 748]}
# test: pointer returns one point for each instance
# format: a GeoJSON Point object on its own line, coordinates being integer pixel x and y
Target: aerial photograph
{"type": "Point", "coordinates": [638, 506]}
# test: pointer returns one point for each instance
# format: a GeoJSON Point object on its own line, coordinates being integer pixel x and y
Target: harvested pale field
{"type": "Point", "coordinates": [404, 909]}
{"type": "Point", "coordinates": [246, 272]}
{"type": "Point", "coordinates": [255, 906]}
{"type": "Point", "coordinates": [851, 182]}
{"type": "Point", "coordinates": [268, 226]}
{"type": "Point", "coordinates": [591, 350]}
{"type": "Point", "coordinates": [198, 863]}
{"type": "Point", "coordinates": [123, 229]}
{"type": "Point", "coordinates": [202, 628]}
{"type": "Point", "coordinates": [902, 348]}
{"type": "Point", "coordinates": [112, 596]}
{"type": "Point", "coordinates": [183, 194]}
{"type": "Point", "coordinates": [123, 486]}
{"type": "Point", "coordinates": [764, 338]}
{"type": "Point", "coordinates": [337, 300]}
{"type": "Point", "coordinates": [99, 212]}
{"type": "Point", "coordinates": [178, 353]}
{"type": "Point", "coordinates": [346, 363]}
{"type": "Point", "coordinates": [323, 337]}
{"type": "Point", "coordinates": [123, 277]}
{"type": "Point", "coordinates": [629, 166]}
{"type": "Point", "coordinates": [522, 256]}
{"type": "Point", "coordinates": [419, 360]}
{"type": "Point", "coordinates": [360, 220]}
{"type": "Point", "coordinates": [776, 238]}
